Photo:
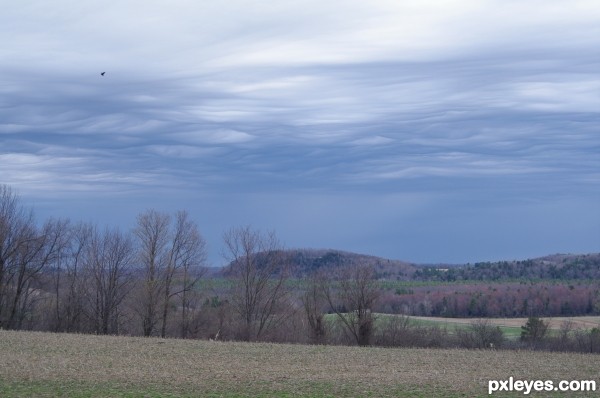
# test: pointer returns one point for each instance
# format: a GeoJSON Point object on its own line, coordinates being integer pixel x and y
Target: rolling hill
{"type": "Point", "coordinates": [303, 262]}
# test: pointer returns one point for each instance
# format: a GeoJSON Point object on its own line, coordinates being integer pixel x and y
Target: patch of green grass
{"type": "Point", "coordinates": [509, 331]}
{"type": "Point", "coordinates": [450, 325]}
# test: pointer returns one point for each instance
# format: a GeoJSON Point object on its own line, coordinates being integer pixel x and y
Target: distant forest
{"type": "Point", "coordinates": [556, 285]}
{"type": "Point", "coordinates": [556, 267]}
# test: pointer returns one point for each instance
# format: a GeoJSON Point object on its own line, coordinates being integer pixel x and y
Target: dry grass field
{"type": "Point", "coordinates": [47, 365]}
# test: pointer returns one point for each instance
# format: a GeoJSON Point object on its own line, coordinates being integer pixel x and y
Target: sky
{"type": "Point", "coordinates": [426, 131]}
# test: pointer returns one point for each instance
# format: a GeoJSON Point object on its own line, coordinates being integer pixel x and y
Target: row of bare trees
{"type": "Point", "coordinates": [105, 279]}
{"type": "Point", "coordinates": [172, 254]}
{"type": "Point", "coordinates": [259, 295]}
{"type": "Point", "coordinates": [351, 297]}
{"type": "Point", "coordinates": [79, 277]}
{"type": "Point", "coordinates": [25, 250]}
{"type": "Point", "coordinates": [263, 299]}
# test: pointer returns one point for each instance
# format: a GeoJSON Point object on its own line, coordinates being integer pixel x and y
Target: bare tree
{"type": "Point", "coordinates": [153, 235]}
{"type": "Point", "coordinates": [108, 270]}
{"type": "Point", "coordinates": [481, 334]}
{"type": "Point", "coordinates": [39, 248]}
{"type": "Point", "coordinates": [16, 225]}
{"type": "Point", "coordinates": [186, 258]}
{"type": "Point", "coordinates": [259, 294]}
{"type": "Point", "coordinates": [57, 280]}
{"type": "Point", "coordinates": [173, 256]}
{"type": "Point", "coordinates": [351, 298]}
{"type": "Point", "coordinates": [395, 331]}
{"type": "Point", "coordinates": [70, 304]}
{"type": "Point", "coordinates": [60, 277]}
{"type": "Point", "coordinates": [314, 302]}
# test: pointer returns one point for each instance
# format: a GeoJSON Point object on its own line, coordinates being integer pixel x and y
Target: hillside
{"type": "Point", "coordinates": [303, 262]}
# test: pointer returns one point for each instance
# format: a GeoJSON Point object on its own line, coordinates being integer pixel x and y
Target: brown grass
{"type": "Point", "coordinates": [204, 368]}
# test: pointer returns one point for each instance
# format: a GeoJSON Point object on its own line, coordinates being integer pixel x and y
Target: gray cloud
{"type": "Point", "coordinates": [497, 101]}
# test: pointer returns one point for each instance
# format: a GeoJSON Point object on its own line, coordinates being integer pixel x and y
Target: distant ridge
{"type": "Point", "coordinates": [303, 262]}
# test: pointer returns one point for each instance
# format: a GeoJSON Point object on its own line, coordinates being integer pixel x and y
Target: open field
{"type": "Point", "coordinates": [46, 364]}
{"type": "Point", "coordinates": [578, 322]}
{"type": "Point", "coordinates": [510, 326]}
{"type": "Point", "coordinates": [452, 324]}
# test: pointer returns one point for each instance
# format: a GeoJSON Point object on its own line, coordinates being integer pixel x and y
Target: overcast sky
{"type": "Point", "coordinates": [427, 131]}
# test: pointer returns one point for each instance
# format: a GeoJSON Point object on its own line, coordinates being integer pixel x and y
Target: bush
{"type": "Point", "coordinates": [481, 334]}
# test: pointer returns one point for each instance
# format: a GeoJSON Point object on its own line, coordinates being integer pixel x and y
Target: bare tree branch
{"type": "Point", "coordinates": [259, 294]}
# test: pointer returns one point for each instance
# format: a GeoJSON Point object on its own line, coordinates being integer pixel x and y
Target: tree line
{"type": "Point", "coordinates": [79, 277]}
{"type": "Point", "coordinates": [557, 267]}
{"type": "Point", "coordinates": [152, 280]}
{"type": "Point", "coordinates": [495, 300]}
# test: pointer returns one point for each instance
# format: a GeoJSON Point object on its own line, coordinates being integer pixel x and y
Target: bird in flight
{"type": "Point", "coordinates": [102, 73]}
